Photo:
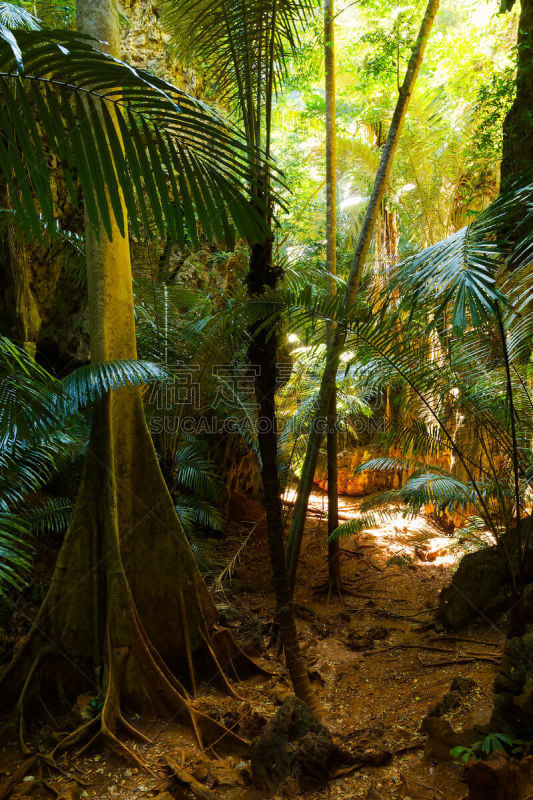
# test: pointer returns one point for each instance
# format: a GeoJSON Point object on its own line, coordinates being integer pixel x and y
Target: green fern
{"type": "Point", "coordinates": [41, 428]}
{"type": "Point", "coordinates": [15, 553]}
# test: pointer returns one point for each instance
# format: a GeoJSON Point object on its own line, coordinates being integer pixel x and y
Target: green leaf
{"type": "Point", "coordinates": [67, 96]}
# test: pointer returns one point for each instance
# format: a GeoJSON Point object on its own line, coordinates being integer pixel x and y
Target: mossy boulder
{"type": "Point", "coordinates": [296, 749]}
{"type": "Point", "coordinates": [513, 690]}
{"type": "Point", "coordinates": [481, 586]}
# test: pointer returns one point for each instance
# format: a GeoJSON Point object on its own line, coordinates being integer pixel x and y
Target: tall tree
{"type": "Point", "coordinates": [334, 572]}
{"type": "Point", "coordinates": [517, 155]}
{"type": "Point", "coordinates": [352, 288]}
{"type": "Point", "coordinates": [127, 610]}
{"type": "Point", "coordinates": [244, 46]}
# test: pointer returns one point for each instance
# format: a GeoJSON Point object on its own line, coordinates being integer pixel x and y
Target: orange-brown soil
{"type": "Point", "coordinates": [378, 659]}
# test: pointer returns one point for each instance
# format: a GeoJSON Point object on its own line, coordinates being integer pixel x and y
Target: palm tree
{"type": "Point", "coordinates": [334, 574]}
{"type": "Point", "coordinates": [182, 165]}
{"type": "Point", "coordinates": [464, 359]}
{"type": "Point", "coordinates": [244, 47]}
{"type": "Point", "coordinates": [352, 287]}
{"type": "Point", "coordinates": [115, 621]}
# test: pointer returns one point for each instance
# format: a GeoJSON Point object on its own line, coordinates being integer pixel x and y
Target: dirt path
{"type": "Point", "coordinates": [378, 661]}
{"type": "Point", "coordinates": [373, 651]}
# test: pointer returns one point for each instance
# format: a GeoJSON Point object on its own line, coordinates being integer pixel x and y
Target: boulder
{"type": "Point", "coordinates": [481, 585]}
{"type": "Point", "coordinates": [501, 777]}
{"type": "Point", "coordinates": [295, 748]}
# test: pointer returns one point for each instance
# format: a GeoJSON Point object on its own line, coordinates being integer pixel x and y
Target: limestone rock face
{"type": "Point", "coordinates": [43, 298]}
{"type": "Point", "coordinates": [145, 44]}
{"type": "Point", "coordinates": [364, 483]}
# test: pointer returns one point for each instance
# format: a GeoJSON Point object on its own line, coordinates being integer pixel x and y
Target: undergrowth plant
{"type": "Point", "coordinates": [458, 340]}
{"type": "Point", "coordinates": [44, 428]}
{"type": "Point", "coordinates": [451, 336]}
{"type": "Point", "coordinates": [492, 743]}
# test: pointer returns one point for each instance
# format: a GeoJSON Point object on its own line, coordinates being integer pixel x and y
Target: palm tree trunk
{"type": "Point", "coordinates": [334, 570]}
{"type": "Point", "coordinates": [352, 288]}
{"type": "Point", "coordinates": [262, 354]}
{"type": "Point", "coordinates": [334, 565]}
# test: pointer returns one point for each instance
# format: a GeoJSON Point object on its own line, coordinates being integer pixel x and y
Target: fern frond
{"type": "Point", "coordinates": [15, 553]}
{"type": "Point", "coordinates": [50, 515]}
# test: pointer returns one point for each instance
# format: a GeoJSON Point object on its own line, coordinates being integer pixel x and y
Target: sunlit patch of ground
{"type": "Point", "coordinates": [399, 536]}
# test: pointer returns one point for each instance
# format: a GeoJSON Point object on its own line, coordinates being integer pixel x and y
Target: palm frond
{"type": "Point", "coordinates": [26, 468]}
{"type": "Point", "coordinates": [461, 271]}
{"type": "Point", "coordinates": [196, 474]}
{"type": "Point", "coordinates": [242, 46]}
{"type": "Point", "coordinates": [15, 553]}
{"type": "Point", "coordinates": [121, 132]}
{"type": "Point", "coordinates": [354, 526]}
{"type": "Point", "coordinates": [52, 514]}
{"type": "Point", "coordinates": [14, 16]}
{"type": "Point", "coordinates": [89, 383]}
{"type": "Point", "coordinates": [196, 514]}
{"type": "Point", "coordinates": [394, 464]}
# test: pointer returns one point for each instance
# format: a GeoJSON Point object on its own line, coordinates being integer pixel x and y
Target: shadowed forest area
{"type": "Point", "coordinates": [266, 399]}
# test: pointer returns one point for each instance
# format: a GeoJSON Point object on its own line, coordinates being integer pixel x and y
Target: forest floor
{"type": "Point", "coordinates": [379, 663]}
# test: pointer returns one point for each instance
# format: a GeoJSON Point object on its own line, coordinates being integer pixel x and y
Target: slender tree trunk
{"type": "Point", "coordinates": [352, 288]}
{"type": "Point", "coordinates": [517, 155]}
{"type": "Point", "coordinates": [127, 609]}
{"type": "Point", "coordinates": [334, 565]}
{"type": "Point", "coordinates": [262, 354]}
{"type": "Point", "coordinates": [334, 569]}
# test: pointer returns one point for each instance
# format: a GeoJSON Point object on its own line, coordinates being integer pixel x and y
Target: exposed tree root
{"type": "Point", "coordinates": [339, 588]}
{"type": "Point", "coordinates": [136, 669]}
{"type": "Point", "coordinates": [136, 676]}
{"type": "Point", "coordinates": [13, 780]}
{"type": "Point", "coordinates": [126, 611]}
{"type": "Point", "coordinates": [185, 778]}
{"type": "Point", "coordinates": [27, 766]}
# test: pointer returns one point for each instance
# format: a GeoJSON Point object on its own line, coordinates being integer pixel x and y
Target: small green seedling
{"type": "Point", "coordinates": [490, 744]}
